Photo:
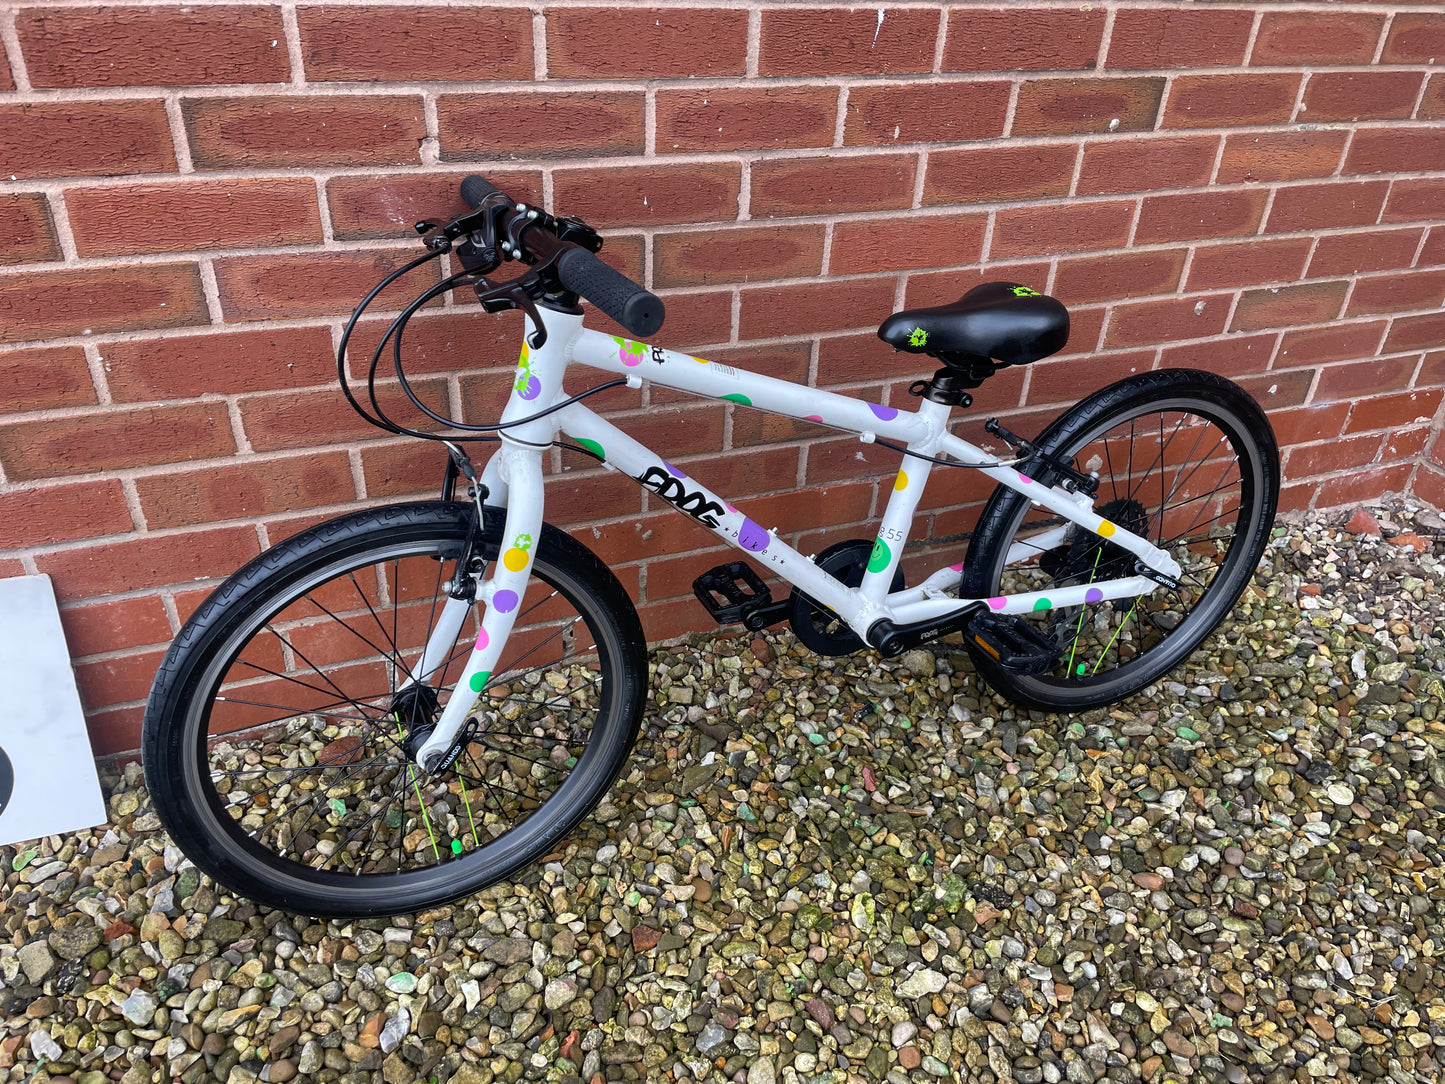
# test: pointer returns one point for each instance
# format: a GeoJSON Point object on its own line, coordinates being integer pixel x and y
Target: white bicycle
{"type": "Point", "coordinates": [406, 704]}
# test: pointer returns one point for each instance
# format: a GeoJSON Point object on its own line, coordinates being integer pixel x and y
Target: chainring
{"type": "Point", "coordinates": [818, 627]}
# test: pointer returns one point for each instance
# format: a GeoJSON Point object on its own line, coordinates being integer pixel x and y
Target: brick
{"type": "Point", "coordinates": [1362, 378]}
{"type": "Point", "coordinates": [1065, 106]}
{"type": "Point", "coordinates": [1433, 251]}
{"type": "Point", "coordinates": [1339, 342]}
{"type": "Point", "coordinates": [739, 254]}
{"type": "Point", "coordinates": [1326, 206]}
{"type": "Point", "coordinates": [926, 112]}
{"type": "Point", "coordinates": [409, 44]}
{"type": "Point", "coordinates": [1432, 105]}
{"type": "Point", "coordinates": [115, 626]}
{"type": "Point", "coordinates": [845, 458]}
{"type": "Point", "coordinates": [1226, 101]}
{"type": "Point", "coordinates": [1396, 150]}
{"type": "Point", "coordinates": [1281, 156]}
{"type": "Point", "coordinates": [1178, 38]}
{"type": "Point", "coordinates": [846, 41]}
{"type": "Point", "coordinates": [153, 46]}
{"type": "Point", "coordinates": [148, 561]}
{"type": "Point", "coordinates": [1415, 37]}
{"type": "Point", "coordinates": [115, 732]}
{"type": "Point", "coordinates": [762, 470]}
{"type": "Point", "coordinates": [314, 283]}
{"type": "Point", "coordinates": [829, 185]}
{"type": "Point", "coordinates": [1415, 200]}
{"type": "Point", "coordinates": [1429, 485]}
{"type": "Point", "coordinates": [1316, 37]}
{"type": "Point", "coordinates": [135, 219]}
{"type": "Point", "coordinates": [1140, 323]}
{"type": "Point", "coordinates": [1198, 215]}
{"type": "Point", "coordinates": [1355, 253]}
{"type": "Point", "coordinates": [280, 420]}
{"type": "Point", "coordinates": [404, 469]}
{"type": "Point", "coordinates": [1404, 444]}
{"type": "Point", "coordinates": [26, 231]}
{"type": "Point", "coordinates": [1004, 39]}
{"type": "Point", "coordinates": [675, 429]}
{"type": "Point", "coordinates": [745, 118]}
{"type": "Point", "coordinates": [44, 377]}
{"type": "Point", "coordinates": [1274, 390]}
{"type": "Point", "coordinates": [698, 318]}
{"type": "Point", "coordinates": [1035, 231]}
{"type": "Point", "coordinates": [1336, 96]}
{"type": "Point", "coordinates": [46, 304]}
{"type": "Point", "coordinates": [1232, 356]}
{"type": "Point", "coordinates": [284, 132]}
{"type": "Point", "coordinates": [942, 287]}
{"type": "Point", "coordinates": [35, 517]}
{"type": "Point", "coordinates": [120, 680]}
{"type": "Point", "coordinates": [769, 312]}
{"type": "Point", "coordinates": [1394, 411]}
{"type": "Point", "coordinates": [1248, 263]}
{"type": "Point", "coordinates": [386, 206]}
{"type": "Point", "coordinates": [7, 78]}
{"type": "Point", "coordinates": [645, 43]}
{"type": "Point", "coordinates": [649, 195]}
{"type": "Point", "coordinates": [516, 124]}
{"type": "Point", "coordinates": [1141, 164]}
{"type": "Point", "coordinates": [898, 244]}
{"type": "Point", "coordinates": [582, 495]}
{"type": "Point", "coordinates": [245, 490]}
{"type": "Point", "coordinates": [1286, 306]}
{"type": "Point", "coordinates": [1059, 381]}
{"type": "Point", "coordinates": [1111, 278]}
{"type": "Point", "coordinates": [85, 139]}
{"type": "Point", "coordinates": [1086, 327]}
{"type": "Point", "coordinates": [1306, 423]}
{"type": "Point", "coordinates": [1342, 453]}
{"type": "Point", "coordinates": [1008, 172]}
{"type": "Point", "coordinates": [114, 440]}
{"type": "Point", "coordinates": [437, 342]}
{"type": "Point", "coordinates": [220, 364]}
{"type": "Point", "coordinates": [1398, 292]}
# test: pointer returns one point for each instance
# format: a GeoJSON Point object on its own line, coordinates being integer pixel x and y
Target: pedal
{"type": "Point", "coordinates": [734, 593]}
{"type": "Point", "coordinates": [1014, 643]}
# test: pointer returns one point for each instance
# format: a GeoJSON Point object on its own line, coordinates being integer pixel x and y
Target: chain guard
{"type": "Point", "coordinates": [821, 630]}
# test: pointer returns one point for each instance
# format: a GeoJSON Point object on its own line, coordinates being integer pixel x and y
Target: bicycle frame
{"type": "Point", "coordinates": [514, 479]}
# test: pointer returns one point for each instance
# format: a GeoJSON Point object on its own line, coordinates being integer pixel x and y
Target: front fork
{"type": "Point", "coordinates": [500, 596]}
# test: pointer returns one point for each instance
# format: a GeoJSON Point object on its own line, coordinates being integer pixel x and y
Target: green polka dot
{"type": "Point", "coordinates": [479, 680]}
{"type": "Point", "coordinates": [880, 557]}
{"type": "Point", "coordinates": [593, 447]}
{"type": "Point", "coordinates": [1043, 604]}
{"type": "Point", "coordinates": [456, 846]}
{"type": "Point", "coordinates": [737, 398]}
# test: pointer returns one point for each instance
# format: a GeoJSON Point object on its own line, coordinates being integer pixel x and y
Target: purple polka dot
{"type": "Point", "coordinates": [672, 470]}
{"type": "Point", "coordinates": [533, 388]}
{"type": "Point", "coordinates": [1093, 594]}
{"type": "Point", "coordinates": [504, 602]}
{"type": "Point", "coordinates": [997, 603]}
{"type": "Point", "coordinates": [884, 413]}
{"type": "Point", "coordinates": [814, 418]}
{"type": "Point", "coordinates": [1026, 478]}
{"type": "Point", "coordinates": [751, 537]}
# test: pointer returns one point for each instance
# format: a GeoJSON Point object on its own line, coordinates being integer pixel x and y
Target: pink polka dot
{"type": "Point", "coordinates": [482, 639]}
{"type": "Point", "coordinates": [956, 568]}
{"type": "Point", "coordinates": [814, 418]}
{"type": "Point", "coordinates": [997, 603]}
{"type": "Point", "coordinates": [1026, 478]}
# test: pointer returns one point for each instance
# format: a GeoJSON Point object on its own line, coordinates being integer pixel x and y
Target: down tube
{"type": "Point", "coordinates": [692, 498]}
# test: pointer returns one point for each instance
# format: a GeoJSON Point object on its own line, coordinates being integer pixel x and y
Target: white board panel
{"type": "Point", "coordinates": [55, 787]}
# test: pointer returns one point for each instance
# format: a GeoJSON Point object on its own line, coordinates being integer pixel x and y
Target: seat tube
{"type": "Point", "coordinates": [903, 500]}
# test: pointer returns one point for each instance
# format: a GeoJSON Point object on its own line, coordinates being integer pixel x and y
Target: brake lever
{"type": "Point", "coordinates": [498, 297]}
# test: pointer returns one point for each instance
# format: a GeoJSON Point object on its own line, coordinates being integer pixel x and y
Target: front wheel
{"type": "Point", "coordinates": [276, 735]}
{"type": "Point", "coordinates": [1186, 459]}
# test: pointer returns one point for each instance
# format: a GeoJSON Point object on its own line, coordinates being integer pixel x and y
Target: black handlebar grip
{"type": "Point", "coordinates": [475, 189]}
{"type": "Point", "coordinates": [638, 310]}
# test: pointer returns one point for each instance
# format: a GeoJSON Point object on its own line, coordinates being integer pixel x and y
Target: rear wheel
{"type": "Point", "coordinates": [1184, 458]}
{"type": "Point", "coordinates": [277, 734]}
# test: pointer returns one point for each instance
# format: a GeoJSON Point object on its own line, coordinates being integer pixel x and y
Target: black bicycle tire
{"type": "Point", "coordinates": [211, 840]}
{"type": "Point", "coordinates": [996, 524]}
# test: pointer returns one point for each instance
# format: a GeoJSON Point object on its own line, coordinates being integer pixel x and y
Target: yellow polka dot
{"type": "Point", "coordinates": [515, 559]}
{"type": "Point", "coordinates": [1106, 529]}
{"type": "Point", "coordinates": [701, 361]}
{"type": "Point", "coordinates": [901, 482]}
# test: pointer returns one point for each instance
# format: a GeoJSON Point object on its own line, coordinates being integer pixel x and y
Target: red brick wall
{"type": "Point", "coordinates": [196, 195]}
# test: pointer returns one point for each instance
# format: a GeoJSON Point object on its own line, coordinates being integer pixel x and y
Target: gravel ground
{"type": "Point", "coordinates": [839, 870]}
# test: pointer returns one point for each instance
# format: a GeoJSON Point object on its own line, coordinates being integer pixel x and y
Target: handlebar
{"type": "Point", "coordinates": [529, 235]}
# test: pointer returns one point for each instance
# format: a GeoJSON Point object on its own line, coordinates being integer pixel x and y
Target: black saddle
{"type": "Point", "coordinates": [993, 325]}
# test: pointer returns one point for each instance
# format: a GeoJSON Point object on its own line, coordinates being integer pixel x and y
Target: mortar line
{"type": "Point", "coordinates": [291, 29]}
